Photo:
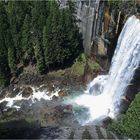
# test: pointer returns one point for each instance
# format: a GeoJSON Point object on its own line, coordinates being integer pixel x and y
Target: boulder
{"type": "Point", "coordinates": [68, 109]}
{"type": "Point", "coordinates": [54, 98]}
{"type": "Point", "coordinates": [27, 92]}
{"type": "Point", "coordinates": [107, 121]}
{"type": "Point", "coordinates": [15, 92]}
{"type": "Point", "coordinates": [50, 89]}
{"type": "Point", "coordinates": [61, 93]}
{"type": "Point", "coordinates": [2, 106]}
{"type": "Point", "coordinates": [17, 89]}
{"type": "Point", "coordinates": [3, 94]}
{"type": "Point", "coordinates": [44, 87]}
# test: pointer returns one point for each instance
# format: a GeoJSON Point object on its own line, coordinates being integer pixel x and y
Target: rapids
{"type": "Point", "coordinates": [36, 96]}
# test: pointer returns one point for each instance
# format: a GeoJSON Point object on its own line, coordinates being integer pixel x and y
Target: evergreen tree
{"type": "Point", "coordinates": [51, 42]}
{"type": "Point", "coordinates": [11, 52]}
{"type": "Point", "coordinates": [46, 46]}
{"type": "Point", "coordinates": [16, 12]}
{"type": "Point", "coordinates": [26, 41]}
{"type": "Point", "coordinates": [62, 35]}
{"type": "Point", "coordinates": [39, 56]}
{"type": "Point", "coordinates": [37, 30]}
{"type": "Point", "coordinates": [4, 68]}
{"type": "Point", "coordinates": [73, 35]}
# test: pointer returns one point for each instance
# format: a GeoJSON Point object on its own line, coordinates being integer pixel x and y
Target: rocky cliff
{"type": "Point", "coordinates": [101, 22]}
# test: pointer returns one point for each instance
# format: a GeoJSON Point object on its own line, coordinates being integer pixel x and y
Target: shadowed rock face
{"type": "Point", "coordinates": [24, 130]}
{"type": "Point", "coordinates": [134, 86]}
{"type": "Point", "coordinates": [132, 90]}
{"type": "Point", "coordinates": [84, 132]}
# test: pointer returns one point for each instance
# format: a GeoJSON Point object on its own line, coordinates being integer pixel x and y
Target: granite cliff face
{"type": "Point", "coordinates": [101, 22]}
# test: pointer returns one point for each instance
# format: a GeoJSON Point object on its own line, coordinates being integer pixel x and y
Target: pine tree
{"type": "Point", "coordinates": [37, 30]}
{"type": "Point", "coordinates": [11, 53]}
{"type": "Point", "coordinates": [26, 41]}
{"type": "Point", "coordinates": [46, 46]}
{"type": "Point", "coordinates": [4, 68]}
{"type": "Point", "coordinates": [16, 12]}
{"type": "Point", "coordinates": [39, 56]}
{"type": "Point", "coordinates": [62, 35]}
{"type": "Point", "coordinates": [40, 31]}
{"type": "Point", "coordinates": [74, 35]}
{"type": "Point", "coordinates": [51, 32]}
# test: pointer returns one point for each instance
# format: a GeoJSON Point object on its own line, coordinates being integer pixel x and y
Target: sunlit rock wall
{"type": "Point", "coordinates": [86, 13]}
{"type": "Point", "coordinates": [101, 23]}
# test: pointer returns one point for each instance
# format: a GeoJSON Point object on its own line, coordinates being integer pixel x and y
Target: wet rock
{"type": "Point", "coordinates": [68, 109]}
{"type": "Point", "coordinates": [24, 104]}
{"type": "Point", "coordinates": [61, 93]}
{"type": "Point", "coordinates": [3, 94]}
{"type": "Point", "coordinates": [50, 88]}
{"type": "Point", "coordinates": [17, 90]}
{"type": "Point", "coordinates": [51, 117]}
{"type": "Point", "coordinates": [87, 77]}
{"type": "Point", "coordinates": [42, 88]}
{"type": "Point", "coordinates": [3, 106]}
{"type": "Point", "coordinates": [27, 92]}
{"type": "Point", "coordinates": [59, 114]}
{"type": "Point", "coordinates": [124, 104]}
{"type": "Point", "coordinates": [107, 121]}
{"type": "Point", "coordinates": [54, 98]}
{"type": "Point", "coordinates": [65, 82]}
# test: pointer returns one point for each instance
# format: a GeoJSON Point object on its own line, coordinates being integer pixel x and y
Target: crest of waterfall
{"type": "Point", "coordinates": [105, 91]}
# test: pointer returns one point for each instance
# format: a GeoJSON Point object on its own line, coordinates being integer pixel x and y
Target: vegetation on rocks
{"type": "Point", "coordinates": [81, 64]}
{"type": "Point", "coordinates": [123, 5]}
{"type": "Point", "coordinates": [129, 123]}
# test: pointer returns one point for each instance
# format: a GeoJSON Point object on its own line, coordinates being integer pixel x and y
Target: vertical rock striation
{"type": "Point", "coordinates": [101, 23]}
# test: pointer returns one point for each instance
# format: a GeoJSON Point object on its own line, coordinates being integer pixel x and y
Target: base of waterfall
{"type": "Point", "coordinates": [52, 105]}
{"type": "Point", "coordinates": [100, 107]}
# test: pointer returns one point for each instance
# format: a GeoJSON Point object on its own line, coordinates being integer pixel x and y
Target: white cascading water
{"type": "Point", "coordinates": [36, 96]}
{"type": "Point", "coordinates": [106, 91]}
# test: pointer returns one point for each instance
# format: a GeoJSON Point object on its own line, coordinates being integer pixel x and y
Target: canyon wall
{"type": "Point", "coordinates": [101, 23]}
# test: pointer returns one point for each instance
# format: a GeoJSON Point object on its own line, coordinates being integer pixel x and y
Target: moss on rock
{"type": "Point", "coordinates": [78, 68]}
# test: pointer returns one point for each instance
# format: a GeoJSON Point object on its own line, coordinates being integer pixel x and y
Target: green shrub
{"type": "Point", "coordinates": [129, 123]}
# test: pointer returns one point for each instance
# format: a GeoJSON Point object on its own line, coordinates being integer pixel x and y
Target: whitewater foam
{"type": "Point", "coordinates": [37, 95]}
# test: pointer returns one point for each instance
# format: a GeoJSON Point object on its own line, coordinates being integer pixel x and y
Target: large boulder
{"type": "Point", "coordinates": [27, 91]}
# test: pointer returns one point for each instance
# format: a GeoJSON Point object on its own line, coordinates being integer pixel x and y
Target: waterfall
{"type": "Point", "coordinates": [105, 91]}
